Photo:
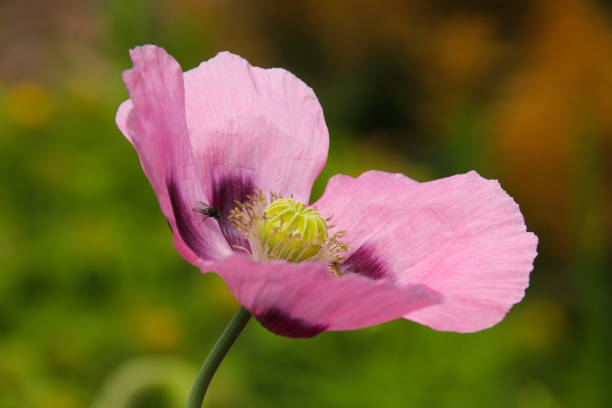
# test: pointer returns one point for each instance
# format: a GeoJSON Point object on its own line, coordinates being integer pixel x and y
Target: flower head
{"type": "Point", "coordinates": [232, 152]}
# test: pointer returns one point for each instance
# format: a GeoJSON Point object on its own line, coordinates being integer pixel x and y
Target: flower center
{"type": "Point", "coordinates": [291, 230]}
{"type": "Point", "coordinates": [280, 228]}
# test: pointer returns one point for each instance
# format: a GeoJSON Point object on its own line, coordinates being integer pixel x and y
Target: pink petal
{"type": "Point", "coordinates": [302, 300]}
{"type": "Point", "coordinates": [260, 127]}
{"type": "Point", "coordinates": [462, 236]}
{"type": "Point", "coordinates": [154, 122]}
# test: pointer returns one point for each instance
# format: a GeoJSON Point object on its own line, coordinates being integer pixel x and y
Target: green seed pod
{"type": "Point", "coordinates": [292, 231]}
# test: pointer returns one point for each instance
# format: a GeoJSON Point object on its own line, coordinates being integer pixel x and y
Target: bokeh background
{"type": "Point", "coordinates": [97, 308]}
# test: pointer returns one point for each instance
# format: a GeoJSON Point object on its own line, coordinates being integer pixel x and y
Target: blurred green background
{"type": "Point", "coordinates": [96, 307]}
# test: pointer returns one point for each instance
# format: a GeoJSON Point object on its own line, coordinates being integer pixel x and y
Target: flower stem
{"type": "Point", "coordinates": [216, 355]}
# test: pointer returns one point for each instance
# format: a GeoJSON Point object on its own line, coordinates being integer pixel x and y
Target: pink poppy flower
{"type": "Point", "coordinates": [232, 152]}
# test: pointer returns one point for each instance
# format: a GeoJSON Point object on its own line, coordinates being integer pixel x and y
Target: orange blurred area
{"type": "Point", "coordinates": [91, 287]}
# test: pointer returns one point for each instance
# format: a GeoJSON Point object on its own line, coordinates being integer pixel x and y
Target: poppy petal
{"type": "Point", "coordinates": [153, 120]}
{"type": "Point", "coordinates": [261, 125]}
{"type": "Point", "coordinates": [302, 300]}
{"type": "Point", "coordinates": [463, 236]}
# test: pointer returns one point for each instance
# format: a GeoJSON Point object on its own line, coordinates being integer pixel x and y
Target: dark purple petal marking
{"type": "Point", "coordinates": [364, 261]}
{"type": "Point", "coordinates": [187, 228]}
{"type": "Point", "coordinates": [225, 192]}
{"type": "Point", "coordinates": [281, 323]}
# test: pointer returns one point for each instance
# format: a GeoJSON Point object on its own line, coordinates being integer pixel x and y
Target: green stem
{"type": "Point", "coordinates": [219, 350]}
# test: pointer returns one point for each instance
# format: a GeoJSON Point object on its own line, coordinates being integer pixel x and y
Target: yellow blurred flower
{"type": "Point", "coordinates": [540, 324]}
{"type": "Point", "coordinates": [60, 399]}
{"type": "Point", "coordinates": [158, 328]}
{"type": "Point", "coordinates": [29, 104]}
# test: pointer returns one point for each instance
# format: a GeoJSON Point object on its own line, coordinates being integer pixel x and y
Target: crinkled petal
{"type": "Point", "coordinates": [463, 236]}
{"type": "Point", "coordinates": [302, 300]}
{"type": "Point", "coordinates": [262, 128]}
{"type": "Point", "coordinates": [153, 119]}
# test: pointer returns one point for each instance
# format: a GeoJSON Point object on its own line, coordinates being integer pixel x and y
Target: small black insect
{"type": "Point", "coordinates": [208, 211]}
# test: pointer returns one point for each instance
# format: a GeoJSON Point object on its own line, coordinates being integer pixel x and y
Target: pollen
{"type": "Point", "coordinates": [282, 229]}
